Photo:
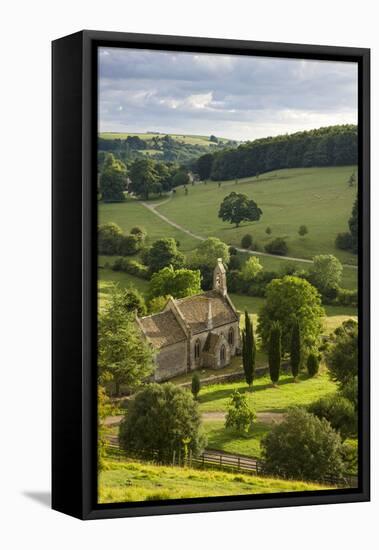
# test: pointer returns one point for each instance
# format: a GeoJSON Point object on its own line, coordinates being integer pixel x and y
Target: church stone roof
{"type": "Point", "coordinates": [195, 310]}
{"type": "Point", "coordinates": [162, 329]}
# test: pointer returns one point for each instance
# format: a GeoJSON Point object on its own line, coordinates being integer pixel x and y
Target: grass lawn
{"type": "Point", "coordinates": [264, 397]}
{"type": "Point", "coordinates": [320, 198]}
{"type": "Point", "coordinates": [130, 213]}
{"type": "Point", "coordinates": [231, 442]}
{"type": "Point", "coordinates": [135, 481]}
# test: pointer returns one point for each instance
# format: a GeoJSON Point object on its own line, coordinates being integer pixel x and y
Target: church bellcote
{"type": "Point", "coordinates": [219, 278]}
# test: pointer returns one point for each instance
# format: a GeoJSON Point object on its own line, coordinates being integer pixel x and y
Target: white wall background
{"type": "Point", "coordinates": [26, 31]}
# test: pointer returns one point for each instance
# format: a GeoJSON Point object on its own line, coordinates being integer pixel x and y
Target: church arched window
{"type": "Point", "coordinates": [222, 354]}
{"type": "Point", "coordinates": [197, 349]}
{"type": "Point", "coordinates": [231, 336]}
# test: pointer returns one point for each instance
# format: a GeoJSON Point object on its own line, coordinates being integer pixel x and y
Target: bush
{"type": "Point", "coordinates": [344, 241]}
{"type": "Point", "coordinates": [109, 238]}
{"type": "Point", "coordinates": [347, 297]}
{"type": "Point", "coordinates": [195, 385]}
{"type": "Point", "coordinates": [132, 267]}
{"type": "Point", "coordinates": [350, 456]}
{"type": "Point", "coordinates": [246, 241]}
{"type": "Point", "coordinates": [342, 353]}
{"type": "Point", "coordinates": [303, 447]}
{"type": "Point", "coordinates": [350, 391]}
{"type": "Point", "coordinates": [235, 263]}
{"type": "Point", "coordinates": [239, 415]}
{"type": "Point", "coordinates": [277, 246]}
{"type": "Point", "coordinates": [162, 419]}
{"type": "Point", "coordinates": [129, 245]}
{"type": "Point", "coordinates": [268, 230]}
{"type": "Point", "coordinates": [338, 411]}
{"type": "Point", "coordinates": [233, 251]}
{"type": "Point", "coordinates": [312, 364]}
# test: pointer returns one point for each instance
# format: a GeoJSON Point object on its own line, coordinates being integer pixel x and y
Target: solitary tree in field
{"type": "Point", "coordinates": [237, 207]}
{"type": "Point", "coordinates": [295, 349]}
{"type": "Point", "coordinates": [248, 351]}
{"type": "Point", "coordinates": [274, 352]}
{"type": "Point", "coordinates": [195, 385]}
{"type": "Point", "coordinates": [303, 230]}
{"type": "Point", "coordinates": [268, 230]}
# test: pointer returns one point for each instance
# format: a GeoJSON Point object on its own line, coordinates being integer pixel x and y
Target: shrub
{"type": "Point", "coordinates": [131, 266]}
{"type": "Point", "coordinates": [342, 354]}
{"type": "Point", "coordinates": [338, 411]}
{"type": "Point", "coordinates": [350, 391]}
{"type": "Point", "coordinates": [140, 232]}
{"type": "Point", "coordinates": [129, 245]}
{"type": "Point", "coordinates": [303, 447]}
{"type": "Point", "coordinates": [235, 263]}
{"type": "Point", "coordinates": [109, 237]}
{"type": "Point", "coordinates": [344, 241]}
{"type": "Point", "coordinates": [312, 364]}
{"type": "Point", "coordinates": [277, 246]}
{"type": "Point", "coordinates": [162, 419]}
{"type": "Point", "coordinates": [268, 230]}
{"type": "Point", "coordinates": [233, 251]}
{"type": "Point", "coordinates": [239, 415]}
{"type": "Point", "coordinates": [347, 297]}
{"type": "Point", "coordinates": [157, 304]}
{"type": "Point", "coordinates": [303, 230]}
{"type": "Point", "coordinates": [246, 241]}
{"type": "Point", "coordinates": [195, 385]}
{"type": "Point", "coordinates": [350, 456]}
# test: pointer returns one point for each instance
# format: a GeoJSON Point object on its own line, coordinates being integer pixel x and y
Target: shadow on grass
{"type": "Point", "coordinates": [223, 393]}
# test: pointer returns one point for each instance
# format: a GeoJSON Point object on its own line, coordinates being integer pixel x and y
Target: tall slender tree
{"type": "Point", "coordinates": [274, 352]}
{"type": "Point", "coordinates": [295, 352]}
{"type": "Point", "coordinates": [248, 350]}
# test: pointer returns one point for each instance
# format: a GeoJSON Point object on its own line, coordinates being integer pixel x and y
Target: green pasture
{"type": "Point", "coordinates": [134, 481]}
{"type": "Point", "coordinates": [182, 138]}
{"type": "Point", "coordinates": [319, 198]}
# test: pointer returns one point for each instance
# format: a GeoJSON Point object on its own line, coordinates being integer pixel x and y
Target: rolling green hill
{"type": "Point", "coordinates": [183, 138]}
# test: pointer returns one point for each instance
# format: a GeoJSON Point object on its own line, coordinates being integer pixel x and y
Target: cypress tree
{"type": "Point", "coordinates": [295, 349]}
{"type": "Point", "coordinates": [195, 385]}
{"type": "Point", "coordinates": [274, 352]}
{"type": "Point", "coordinates": [248, 350]}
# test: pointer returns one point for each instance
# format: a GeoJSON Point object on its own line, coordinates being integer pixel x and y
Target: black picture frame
{"type": "Point", "coordinates": [74, 204]}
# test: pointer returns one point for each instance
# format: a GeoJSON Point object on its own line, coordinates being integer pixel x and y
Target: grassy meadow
{"type": "Point", "coordinates": [181, 138]}
{"type": "Point", "coordinates": [133, 481]}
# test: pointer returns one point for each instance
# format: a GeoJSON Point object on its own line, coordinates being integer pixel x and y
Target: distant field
{"type": "Point", "coordinates": [320, 198]}
{"type": "Point", "coordinates": [135, 481]}
{"type": "Point", "coordinates": [185, 138]}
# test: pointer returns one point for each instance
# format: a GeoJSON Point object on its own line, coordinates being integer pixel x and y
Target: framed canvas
{"type": "Point", "coordinates": [210, 274]}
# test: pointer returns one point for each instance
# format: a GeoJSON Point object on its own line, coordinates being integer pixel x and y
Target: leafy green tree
{"type": "Point", "coordinates": [339, 412]}
{"type": "Point", "coordinates": [248, 350]}
{"type": "Point", "coordinates": [303, 447]}
{"type": "Point", "coordinates": [246, 241]}
{"type": "Point", "coordinates": [181, 178]}
{"type": "Point", "coordinates": [274, 352]}
{"type": "Point", "coordinates": [208, 252]}
{"type": "Point", "coordinates": [195, 385]}
{"type": "Point", "coordinates": [344, 241]}
{"type": "Point", "coordinates": [239, 416]}
{"type": "Point", "coordinates": [162, 419]}
{"type": "Point", "coordinates": [277, 246]}
{"type": "Point", "coordinates": [124, 357]}
{"type": "Point", "coordinates": [326, 272]}
{"type": "Point", "coordinates": [251, 268]}
{"type": "Point", "coordinates": [353, 226]}
{"type": "Point", "coordinates": [204, 166]}
{"type": "Point", "coordinates": [104, 409]}
{"type": "Point", "coordinates": [268, 230]}
{"type": "Point", "coordinates": [288, 300]}
{"type": "Point", "coordinates": [295, 351]}
{"type": "Point", "coordinates": [164, 252]}
{"type": "Point", "coordinates": [144, 178]}
{"type": "Point", "coordinates": [178, 283]}
{"type": "Point", "coordinates": [303, 230]}
{"type": "Point", "coordinates": [139, 232]}
{"type": "Point", "coordinates": [133, 301]}
{"type": "Point", "coordinates": [113, 178]}
{"type": "Point", "coordinates": [109, 239]}
{"type": "Point", "coordinates": [342, 354]}
{"type": "Point", "coordinates": [312, 364]}
{"type": "Point", "coordinates": [157, 304]}
{"type": "Point", "coordinates": [237, 207]}
{"type": "Point", "coordinates": [350, 391]}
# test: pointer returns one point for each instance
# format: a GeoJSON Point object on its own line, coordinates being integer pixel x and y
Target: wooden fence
{"type": "Point", "coordinates": [234, 463]}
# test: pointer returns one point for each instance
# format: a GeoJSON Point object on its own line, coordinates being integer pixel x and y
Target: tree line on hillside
{"type": "Point", "coordinates": [330, 146]}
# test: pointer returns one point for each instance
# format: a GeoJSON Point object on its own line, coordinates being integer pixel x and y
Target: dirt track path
{"type": "Point", "coordinates": [153, 208]}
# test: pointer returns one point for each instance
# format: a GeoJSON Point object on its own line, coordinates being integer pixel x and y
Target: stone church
{"type": "Point", "coordinates": [194, 332]}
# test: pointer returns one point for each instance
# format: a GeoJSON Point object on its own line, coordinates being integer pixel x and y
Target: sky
{"type": "Point", "coordinates": [237, 97]}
